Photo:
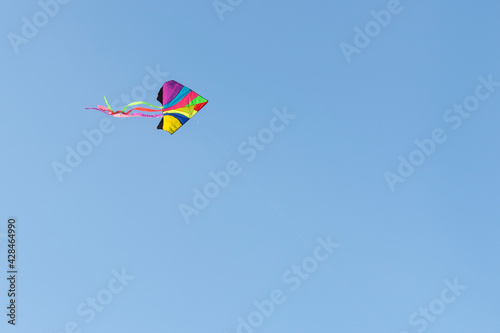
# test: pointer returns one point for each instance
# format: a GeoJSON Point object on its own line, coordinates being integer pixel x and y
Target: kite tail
{"type": "Point", "coordinates": [107, 109]}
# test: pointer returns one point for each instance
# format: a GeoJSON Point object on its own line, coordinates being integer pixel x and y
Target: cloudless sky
{"type": "Point", "coordinates": [414, 253]}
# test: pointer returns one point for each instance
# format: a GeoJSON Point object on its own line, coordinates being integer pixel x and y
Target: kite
{"type": "Point", "coordinates": [179, 104]}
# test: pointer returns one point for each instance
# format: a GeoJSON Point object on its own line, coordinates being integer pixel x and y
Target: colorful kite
{"type": "Point", "coordinates": [179, 104]}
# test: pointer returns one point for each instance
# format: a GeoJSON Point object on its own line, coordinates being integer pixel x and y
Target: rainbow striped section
{"type": "Point", "coordinates": [179, 104]}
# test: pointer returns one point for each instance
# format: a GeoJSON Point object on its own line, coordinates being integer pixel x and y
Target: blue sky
{"type": "Point", "coordinates": [319, 190]}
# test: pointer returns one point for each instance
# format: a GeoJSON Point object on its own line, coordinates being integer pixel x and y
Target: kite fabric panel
{"type": "Point", "coordinates": [179, 104]}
